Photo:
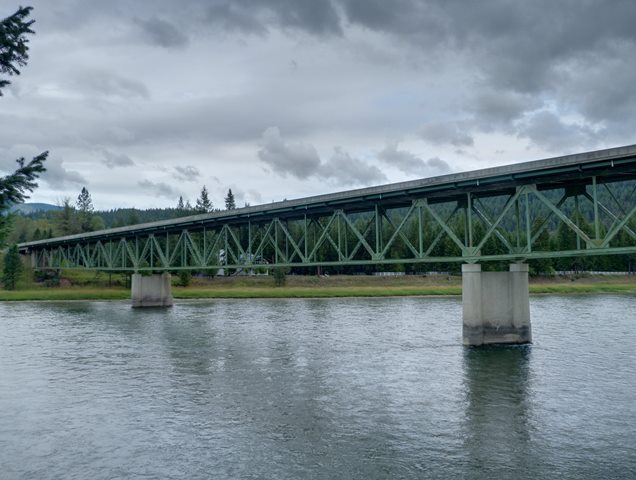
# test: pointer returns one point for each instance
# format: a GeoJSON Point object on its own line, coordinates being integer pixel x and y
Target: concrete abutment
{"type": "Point", "coordinates": [151, 290]}
{"type": "Point", "coordinates": [496, 305]}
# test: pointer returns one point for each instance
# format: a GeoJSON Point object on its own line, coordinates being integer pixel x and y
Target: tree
{"type": "Point", "coordinates": [180, 205]}
{"type": "Point", "coordinates": [13, 43]}
{"type": "Point", "coordinates": [84, 202]}
{"type": "Point", "coordinates": [12, 268]}
{"type": "Point", "coordinates": [230, 204]}
{"type": "Point", "coordinates": [85, 209]}
{"type": "Point", "coordinates": [184, 278]}
{"type": "Point", "coordinates": [66, 219]}
{"type": "Point", "coordinates": [279, 276]}
{"type": "Point", "coordinates": [14, 187]}
{"type": "Point", "coordinates": [133, 217]}
{"type": "Point", "coordinates": [204, 204]}
{"type": "Point", "coordinates": [13, 54]}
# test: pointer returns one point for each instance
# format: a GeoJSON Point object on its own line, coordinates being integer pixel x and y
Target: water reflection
{"type": "Point", "coordinates": [497, 417]}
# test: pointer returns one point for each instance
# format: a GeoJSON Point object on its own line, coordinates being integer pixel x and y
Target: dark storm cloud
{"type": "Point", "coordinates": [316, 17]}
{"type": "Point", "coordinates": [302, 161]}
{"type": "Point", "coordinates": [161, 32]}
{"type": "Point", "coordinates": [410, 163]}
{"type": "Point", "coordinates": [577, 55]}
{"type": "Point", "coordinates": [520, 40]}
{"type": "Point", "coordinates": [112, 160]}
{"type": "Point", "coordinates": [606, 91]}
{"type": "Point", "coordinates": [187, 173]}
{"type": "Point", "coordinates": [499, 109]}
{"type": "Point", "coordinates": [521, 54]}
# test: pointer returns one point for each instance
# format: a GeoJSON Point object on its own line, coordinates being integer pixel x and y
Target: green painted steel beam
{"type": "Point", "coordinates": [488, 215]}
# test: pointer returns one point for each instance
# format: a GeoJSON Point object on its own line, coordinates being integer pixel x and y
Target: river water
{"type": "Point", "coordinates": [337, 388]}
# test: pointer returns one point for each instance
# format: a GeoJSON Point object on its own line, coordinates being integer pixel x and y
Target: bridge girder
{"type": "Point", "coordinates": [467, 227]}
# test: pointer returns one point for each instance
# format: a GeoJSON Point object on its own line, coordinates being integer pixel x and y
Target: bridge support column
{"type": "Point", "coordinates": [496, 305]}
{"type": "Point", "coordinates": [151, 290]}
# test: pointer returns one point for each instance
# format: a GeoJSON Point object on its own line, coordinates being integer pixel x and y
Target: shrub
{"type": "Point", "coordinates": [279, 276]}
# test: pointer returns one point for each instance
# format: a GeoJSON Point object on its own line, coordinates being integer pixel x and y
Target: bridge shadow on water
{"type": "Point", "coordinates": [497, 422]}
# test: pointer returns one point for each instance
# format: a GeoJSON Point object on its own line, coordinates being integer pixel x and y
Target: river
{"type": "Point", "coordinates": [332, 388]}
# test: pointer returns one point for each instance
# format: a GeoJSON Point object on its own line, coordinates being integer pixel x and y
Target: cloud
{"type": "Point", "coordinates": [446, 76]}
{"type": "Point", "coordinates": [297, 159]}
{"type": "Point", "coordinates": [58, 177]}
{"type": "Point", "coordinates": [112, 160]}
{"type": "Point", "coordinates": [347, 170]}
{"type": "Point", "coordinates": [102, 83]}
{"type": "Point", "coordinates": [302, 161]}
{"type": "Point", "coordinates": [161, 32]}
{"type": "Point", "coordinates": [548, 131]}
{"type": "Point", "coordinates": [446, 133]}
{"type": "Point", "coordinates": [160, 189]}
{"type": "Point", "coordinates": [187, 173]}
{"type": "Point", "coordinates": [316, 17]}
{"type": "Point", "coordinates": [498, 110]}
{"type": "Point", "coordinates": [411, 164]}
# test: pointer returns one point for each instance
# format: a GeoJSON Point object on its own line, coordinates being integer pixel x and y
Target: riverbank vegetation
{"type": "Point", "coordinates": [92, 285]}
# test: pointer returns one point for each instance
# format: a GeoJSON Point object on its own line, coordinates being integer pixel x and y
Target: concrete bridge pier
{"type": "Point", "coordinates": [496, 305]}
{"type": "Point", "coordinates": [151, 290]}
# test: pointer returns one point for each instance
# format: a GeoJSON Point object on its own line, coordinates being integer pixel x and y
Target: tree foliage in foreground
{"type": "Point", "coordinates": [14, 188]}
{"type": "Point", "coordinates": [12, 268]}
{"type": "Point", "coordinates": [13, 43]}
{"type": "Point", "coordinates": [13, 54]}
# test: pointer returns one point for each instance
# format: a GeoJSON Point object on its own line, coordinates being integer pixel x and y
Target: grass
{"type": "Point", "coordinates": [91, 286]}
{"type": "Point", "coordinates": [303, 292]}
{"type": "Point", "coordinates": [63, 293]}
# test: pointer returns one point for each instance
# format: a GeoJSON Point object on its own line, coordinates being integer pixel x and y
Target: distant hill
{"type": "Point", "coordinates": [28, 208]}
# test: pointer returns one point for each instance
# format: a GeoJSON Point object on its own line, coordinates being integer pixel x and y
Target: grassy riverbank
{"type": "Point", "coordinates": [93, 286]}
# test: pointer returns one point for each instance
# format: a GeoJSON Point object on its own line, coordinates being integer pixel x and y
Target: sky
{"type": "Point", "coordinates": [144, 101]}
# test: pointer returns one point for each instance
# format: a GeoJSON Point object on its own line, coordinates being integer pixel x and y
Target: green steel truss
{"type": "Point", "coordinates": [596, 214]}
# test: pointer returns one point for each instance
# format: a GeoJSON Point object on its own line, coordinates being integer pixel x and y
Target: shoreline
{"type": "Point", "coordinates": [338, 288]}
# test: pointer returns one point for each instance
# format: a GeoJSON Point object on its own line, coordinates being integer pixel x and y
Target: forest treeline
{"type": "Point", "coordinates": [80, 216]}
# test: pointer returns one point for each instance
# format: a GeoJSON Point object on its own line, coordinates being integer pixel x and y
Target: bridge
{"type": "Point", "coordinates": [494, 214]}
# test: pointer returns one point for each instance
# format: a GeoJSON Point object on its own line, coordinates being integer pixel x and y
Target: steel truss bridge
{"type": "Point", "coordinates": [501, 213]}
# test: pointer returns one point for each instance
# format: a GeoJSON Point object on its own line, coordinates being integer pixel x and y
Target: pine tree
{"type": "Point", "coordinates": [66, 219]}
{"type": "Point", "coordinates": [204, 204]}
{"type": "Point", "coordinates": [85, 209]}
{"type": "Point", "coordinates": [84, 202]}
{"type": "Point", "coordinates": [180, 205]}
{"type": "Point", "coordinates": [230, 204]}
{"type": "Point", "coordinates": [12, 268]}
{"type": "Point", "coordinates": [13, 54]}
{"type": "Point", "coordinates": [13, 43]}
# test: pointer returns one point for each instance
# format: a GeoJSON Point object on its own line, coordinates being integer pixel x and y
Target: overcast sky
{"type": "Point", "coordinates": [143, 101]}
